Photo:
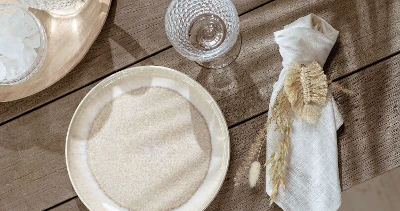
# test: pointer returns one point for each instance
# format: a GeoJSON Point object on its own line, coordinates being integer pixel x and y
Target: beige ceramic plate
{"type": "Point", "coordinates": [69, 39]}
{"type": "Point", "coordinates": [82, 180]}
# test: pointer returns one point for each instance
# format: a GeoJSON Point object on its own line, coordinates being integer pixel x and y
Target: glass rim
{"type": "Point", "coordinates": [206, 57]}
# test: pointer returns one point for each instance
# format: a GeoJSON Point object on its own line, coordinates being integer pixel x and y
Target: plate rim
{"type": "Point", "coordinates": [138, 68]}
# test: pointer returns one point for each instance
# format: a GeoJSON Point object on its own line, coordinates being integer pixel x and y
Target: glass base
{"type": "Point", "coordinates": [207, 32]}
{"type": "Point", "coordinates": [70, 11]}
{"type": "Point", "coordinates": [226, 59]}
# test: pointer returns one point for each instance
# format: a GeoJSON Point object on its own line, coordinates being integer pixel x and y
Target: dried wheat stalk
{"type": "Point", "coordinates": [279, 158]}
{"type": "Point", "coordinates": [340, 88]}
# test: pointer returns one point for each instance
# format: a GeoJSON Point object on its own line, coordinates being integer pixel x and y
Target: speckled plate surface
{"type": "Point", "coordinates": [133, 78]}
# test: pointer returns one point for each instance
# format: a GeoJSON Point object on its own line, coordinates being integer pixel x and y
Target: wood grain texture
{"type": "Point", "coordinates": [33, 170]}
{"type": "Point", "coordinates": [133, 31]}
{"type": "Point", "coordinates": [32, 147]}
{"type": "Point", "coordinates": [68, 40]}
{"type": "Point", "coordinates": [369, 143]}
{"type": "Point", "coordinates": [369, 31]}
{"type": "Point", "coordinates": [379, 193]}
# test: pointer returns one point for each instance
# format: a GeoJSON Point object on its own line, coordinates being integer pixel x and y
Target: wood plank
{"type": "Point", "coordinates": [379, 193]}
{"type": "Point", "coordinates": [33, 171]}
{"type": "Point", "coordinates": [32, 147]}
{"type": "Point", "coordinates": [133, 31]}
{"type": "Point", "coordinates": [369, 143]}
{"type": "Point", "coordinates": [369, 30]}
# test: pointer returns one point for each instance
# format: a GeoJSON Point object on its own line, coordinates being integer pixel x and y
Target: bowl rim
{"type": "Point", "coordinates": [41, 50]}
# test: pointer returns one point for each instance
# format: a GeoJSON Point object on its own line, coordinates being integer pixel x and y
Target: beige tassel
{"type": "Point", "coordinates": [306, 89]}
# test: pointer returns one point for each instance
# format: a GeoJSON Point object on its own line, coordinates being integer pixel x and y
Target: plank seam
{"type": "Point", "coordinates": [366, 66]}
{"type": "Point", "coordinates": [63, 202]}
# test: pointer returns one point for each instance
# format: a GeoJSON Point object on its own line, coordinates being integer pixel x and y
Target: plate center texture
{"type": "Point", "coordinates": [149, 149]}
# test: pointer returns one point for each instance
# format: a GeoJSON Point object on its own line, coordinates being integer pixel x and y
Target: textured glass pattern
{"type": "Point", "coordinates": [48, 4]}
{"type": "Point", "coordinates": [184, 15]}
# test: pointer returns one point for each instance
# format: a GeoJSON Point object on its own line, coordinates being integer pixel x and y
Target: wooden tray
{"type": "Point", "coordinates": [69, 38]}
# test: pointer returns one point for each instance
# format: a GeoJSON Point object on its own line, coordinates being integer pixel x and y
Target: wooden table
{"type": "Point", "coordinates": [366, 59]}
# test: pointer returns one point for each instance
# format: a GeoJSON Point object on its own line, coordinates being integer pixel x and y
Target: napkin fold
{"type": "Point", "coordinates": [312, 176]}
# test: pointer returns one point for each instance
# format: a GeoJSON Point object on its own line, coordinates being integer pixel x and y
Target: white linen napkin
{"type": "Point", "coordinates": [312, 176]}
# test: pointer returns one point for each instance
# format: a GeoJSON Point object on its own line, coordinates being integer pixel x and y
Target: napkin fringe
{"type": "Point", "coordinates": [306, 89]}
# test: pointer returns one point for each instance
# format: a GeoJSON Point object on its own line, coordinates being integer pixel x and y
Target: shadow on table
{"type": "Point", "coordinates": [360, 142]}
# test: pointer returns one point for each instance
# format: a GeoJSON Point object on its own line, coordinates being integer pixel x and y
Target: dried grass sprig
{"type": "Point", "coordinates": [255, 150]}
{"type": "Point", "coordinates": [339, 87]}
{"type": "Point", "coordinates": [280, 114]}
